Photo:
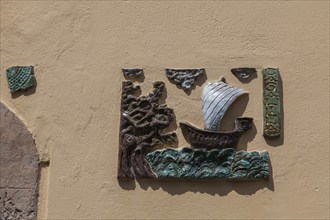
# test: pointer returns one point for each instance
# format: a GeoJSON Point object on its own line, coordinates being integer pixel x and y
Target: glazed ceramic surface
{"type": "Point", "coordinates": [216, 99]}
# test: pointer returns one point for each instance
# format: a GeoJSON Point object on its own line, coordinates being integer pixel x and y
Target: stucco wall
{"type": "Point", "coordinates": [78, 49]}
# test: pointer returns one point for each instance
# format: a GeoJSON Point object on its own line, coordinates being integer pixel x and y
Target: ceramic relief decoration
{"type": "Point", "coordinates": [184, 77]}
{"type": "Point", "coordinates": [215, 139]}
{"type": "Point", "coordinates": [20, 78]}
{"type": "Point", "coordinates": [145, 151]}
{"type": "Point", "coordinates": [141, 123]}
{"type": "Point", "coordinates": [132, 72]}
{"type": "Point", "coordinates": [271, 102]}
{"type": "Point", "coordinates": [216, 99]}
{"type": "Point", "coordinates": [201, 163]}
{"type": "Point", "coordinates": [244, 72]}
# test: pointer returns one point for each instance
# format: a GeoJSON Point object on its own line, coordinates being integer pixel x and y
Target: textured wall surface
{"type": "Point", "coordinates": [78, 48]}
{"type": "Point", "coordinates": [19, 169]}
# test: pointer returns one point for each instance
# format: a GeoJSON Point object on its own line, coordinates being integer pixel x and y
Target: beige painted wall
{"type": "Point", "coordinates": [78, 49]}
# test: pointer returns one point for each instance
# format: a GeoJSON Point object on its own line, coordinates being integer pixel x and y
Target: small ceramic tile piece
{"type": "Point", "coordinates": [132, 72]}
{"type": "Point", "coordinates": [201, 163]}
{"type": "Point", "coordinates": [184, 77]}
{"type": "Point", "coordinates": [271, 102]}
{"type": "Point", "coordinates": [20, 78]}
{"type": "Point", "coordinates": [244, 72]}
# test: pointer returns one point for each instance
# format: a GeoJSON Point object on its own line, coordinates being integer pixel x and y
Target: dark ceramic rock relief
{"type": "Point", "coordinates": [271, 102]}
{"type": "Point", "coordinates": [244, 72]}
{"type": "Point", "coordinates": [184, 77]}
{"type": "Point", "coordinates": [199, 138]}
{"type": "Point", "coordinates": [132, 72]}
{"type": "Point", "coordinates": [20, 78]}
{"type": "Point", "coordinates": [201, 163]}
{"type": "Point", "coordinates": [19, 169]}
{"type": "Point", "coordinates": [141, 124]}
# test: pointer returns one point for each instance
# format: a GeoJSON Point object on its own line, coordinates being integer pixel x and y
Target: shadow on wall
{"type": "Point", "coordinates": [211, 187]}
{"type": "Point", "coordinates": [236, 110]}
{"type": "Point", "coordinates": [29, 91]}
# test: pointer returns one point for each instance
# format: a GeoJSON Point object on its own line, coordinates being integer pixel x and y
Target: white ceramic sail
{"type": "Point", "coordinates": [216, 99]}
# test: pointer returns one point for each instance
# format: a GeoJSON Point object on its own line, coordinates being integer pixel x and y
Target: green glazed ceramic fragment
{"type": "Point", "coordinates": [271, 102]}
{"type": "Point", "coordinates": [20, 78]}
{"type": "Point", "coordinates": [190, 163]}
{"type": "Point", "coordinates": [250, 165]}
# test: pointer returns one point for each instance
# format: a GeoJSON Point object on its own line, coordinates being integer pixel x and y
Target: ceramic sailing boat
{"type": "Point", "coordinates": [217, 97]}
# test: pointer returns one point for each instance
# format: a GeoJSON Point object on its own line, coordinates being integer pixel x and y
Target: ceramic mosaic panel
{"type": "Point", "coordinates": [144, 151]}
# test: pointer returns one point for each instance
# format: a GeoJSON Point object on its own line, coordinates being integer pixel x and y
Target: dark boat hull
{"type": "Point", "coordinates": [199, 138]}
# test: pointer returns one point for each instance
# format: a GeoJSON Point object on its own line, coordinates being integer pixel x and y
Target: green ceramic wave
{"type": "Point", "coordinates": [202, 163]}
